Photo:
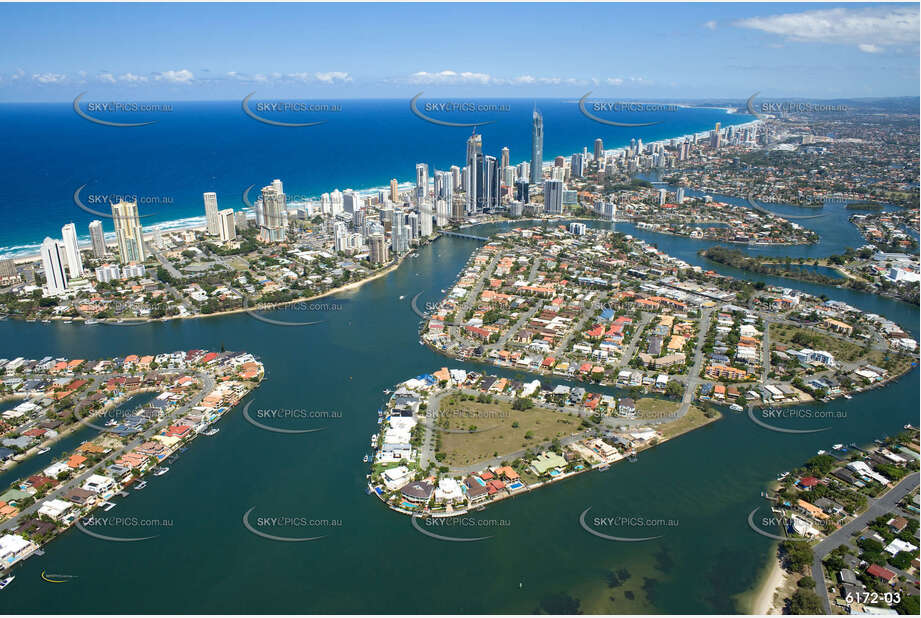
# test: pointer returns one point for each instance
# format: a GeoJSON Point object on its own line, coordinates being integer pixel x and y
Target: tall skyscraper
{"type": "Point", "coordinates": [521, 191]}
{"type": "Point", "coordinates": [425, 219]}
{"type": "Point", "coordinates": [537, 147]}
{"type": "Point", "coordinates": [444, 186]}
{"type": "Point", "coordinates": [227, 228]}
{"type": "Point", "coordinates": [272, 226]}
{"type": "Point", "coordinates": [53, 263]}
{"type": "Point", "coordinates": [351, 201]}
{"type": "Point", "coordinates": [211, 213]}
{"type": "Point", "coordinates": [474, 157]}
{"type": "Point", "coordinates": [577, 165]}
{"type": "Point", "coordinates": [335, 202]}
{"type": "Point", "coordinates": [128, 233]}
{"type": "Point", "coordinates": [553, 197]}
{"type": "Point", "coordinates": [378, 253]}
{"type": "Point", "coordinates": [504, 158]}
{"type": "Point", "coordinates": [394, 190]}
{"type": "Point", "coordinates": [72, 251]}
{"type": "Point", "coordinates": [422, 182]}
{"type": "Point", "coordinates": [599, 149]}
{"type": "Point", "coordinates": [97, 238]}
{"type": "Point", "coordinates": [456, 175]}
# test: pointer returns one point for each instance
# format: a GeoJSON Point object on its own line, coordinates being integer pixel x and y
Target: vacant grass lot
{"type": "Point", "coordinates": [495, 431]}
{"type": "Point", "coordinates": [692, 420]}
{"type": "Point", "coordinates": [842, 350]}
{"type": "Point", "coordinates": [652, 408]}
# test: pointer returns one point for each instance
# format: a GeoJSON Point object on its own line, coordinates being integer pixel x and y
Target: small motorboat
{"type": "Point", "coordinates": [6, 581]}
{"type": "Point", "coordinates": [782, 476]}
{"type": "Point", "coordinates": [140, 485]}
{"type": "Point", "coordinates": [43, 451]}
{"type": "Point", "coordinates": [365, 459]}
{"type": "Point", "coordinates": [160, 471]}
{"type": "Point", "coordinates": [820, 452]}
{"type": "Point", "coordinates": [735, 407]}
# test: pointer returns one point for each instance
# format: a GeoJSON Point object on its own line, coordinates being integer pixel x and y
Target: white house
{"type": "Point", "coordinates": [55, 509]}
{"type": "Point", "coordinates": [97, 483]}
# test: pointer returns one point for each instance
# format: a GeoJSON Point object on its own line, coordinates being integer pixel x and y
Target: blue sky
{"type": "Point", "coordinates": [52, 52]}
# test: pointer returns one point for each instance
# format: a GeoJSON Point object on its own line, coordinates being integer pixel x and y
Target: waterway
{"type": "Point", "coordinates": [371, 559]}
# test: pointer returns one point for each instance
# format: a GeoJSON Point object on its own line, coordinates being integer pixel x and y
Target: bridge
{"type": "Point", "coordinates": [461, 235]}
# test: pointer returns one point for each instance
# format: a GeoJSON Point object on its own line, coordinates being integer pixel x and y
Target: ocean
{"type": "Point", "coordinates": [213, 146]}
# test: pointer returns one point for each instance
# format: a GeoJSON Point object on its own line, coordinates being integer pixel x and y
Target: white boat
{"type": "Point", "coordinates": [160, 471]}
{"type": "Point", "coordinates": [210, 431]}
{"type": "Point", "coordinates": [736, 407]}
{"type": "Point", "coordinates": [387, 391]}
{"type": "Point", "coordinates": [140, 485]}
{"type": "Point", "coordinates": [443, 292]}
{"type": "Point", "coordinates": [837, 447]}
{"type": "Point", "coordinates": [43, 451]}
{"type": "Point", "coordinates": [365, 459]}
{"type": "Point", "coordinates": [820, 452]}
{"type": "Point", "coordinates": [782, 476]}
{"type": "Point", "coordinates": [846, 396]}
{"type": "Point", "coordinates": [6, 581]}
{"type": "Point", "coordinates": [402, 297]}
{"type": "Point", "coordinates": [90, 322]}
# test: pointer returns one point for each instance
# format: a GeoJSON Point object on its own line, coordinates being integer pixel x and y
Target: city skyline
{"type": "Point", "coordinates": [797, 50]}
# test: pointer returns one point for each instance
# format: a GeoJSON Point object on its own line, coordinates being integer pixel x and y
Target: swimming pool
{"type": "Point", "coordinates": [555, 472]}
{"type": "Point", "coordinates": [516, 485]}
{"type": "Point", "coordinates": [480, 481]}
{"type": "Point", "coordinates": [408, 505]}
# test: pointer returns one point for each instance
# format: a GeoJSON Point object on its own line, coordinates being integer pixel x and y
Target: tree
{"type": "Point", "coordinates": [805, 601]}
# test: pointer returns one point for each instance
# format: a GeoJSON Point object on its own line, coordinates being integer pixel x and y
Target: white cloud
{"type": "Point", "coordinates": [107, 78]}
{"type": "Point", "coordinates": [182, 76]}
{"type": "Point", "coordinates": [132, 78]}
{"type": "Point", "coordinates": [48, 78]}
{"type": "Point", "coordinates": [868, 29]}
{"type": "Point", "coordinates": [332, 77]}
{"type": "Point", "coordinates": [614, 81]}
{"type": "Point", "coordinates": [449, 77]}
{"type": "Point", "coordinates": [710, 25]}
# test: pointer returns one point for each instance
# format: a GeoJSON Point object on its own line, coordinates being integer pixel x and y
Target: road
{"type": "Point", "coordinates": [694, 379]}
{"type": "Point", "coordinates": [842, 535]}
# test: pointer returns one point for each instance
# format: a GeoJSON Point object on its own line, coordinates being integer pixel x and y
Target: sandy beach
{"type": "Point", "coordinates": [770, 596]}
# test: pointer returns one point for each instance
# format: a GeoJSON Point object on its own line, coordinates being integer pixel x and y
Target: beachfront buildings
{"type": "Point", "coordinates": [53, 264]}
{"type": "Point", "coordinates": [72, 251]}
{"type": "Point", "coordinates": [97, 239]}
{"type": "Point", "coordinates": [537, 147]}
{"type": "Point", "coordinates": [271, 215]}
{"type": "Point", "coordinates": [211, 217]}
{"type": "Point", "coordinates": [128, 233]}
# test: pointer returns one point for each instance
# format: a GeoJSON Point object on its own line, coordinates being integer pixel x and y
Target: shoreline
{"type": "Point", "coordinates": [773, 581]}
{"type": "Point", "coordinates": [28, 254]}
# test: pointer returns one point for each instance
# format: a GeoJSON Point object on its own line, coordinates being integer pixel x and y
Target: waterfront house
{"type": "Point", "coordinates": [626, 407]}
{"type": "Point", "coordinates": [417, 492]}
{"type": "Point", "coordinates": [98, 484]}
{"type": "Point", "coordinates": [55, 509]}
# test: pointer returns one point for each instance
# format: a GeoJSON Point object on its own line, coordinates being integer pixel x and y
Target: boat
{"type": "Point", "coordinates": [820, 452]}
{"type": "Point", "coordinates": [111, 423]}
{"type": "Point", "coordinates": [6, 581]}
{"type": "Point", "coordinates": [387, 391]}
{"type": "Point", "coordinates": [43, 451]}
{"type": "Point", "coordinates": [846, 396]}
{"type": "Point", "coordinates": [90, 322]}
{"type": "Point", "coordinates": [735, 407]}
{"type": "Point", "coordinates": [365, 459]}
{"type": "Point", "coordinates": [837, 447]}
{"type": "Point", "coordinates": [160, 471]}
{"type": "Point", "coordinates": [443, 292]}
{"type": "Point", "coordinates": [782, 476]}
{"type": "Point", "coordinates": [210, 431]}
{"type": "Point", "coordinates": [402, 297]}
{"type": "Point", "coordinates": [140, 485]}
{"type": "Point", "coordinates": [380, 420]}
